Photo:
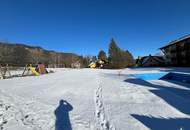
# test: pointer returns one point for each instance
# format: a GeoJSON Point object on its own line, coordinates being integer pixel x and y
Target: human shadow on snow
{"type": "Point", "coordinates": [62, 116]}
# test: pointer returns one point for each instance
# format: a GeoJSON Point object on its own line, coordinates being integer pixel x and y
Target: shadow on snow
{"type": "Point", "coordinates": [176, 97]}
{"type": "Point", "coordinates": [163, 123]}
{"type": "Point", "coordinates": [62, 116]}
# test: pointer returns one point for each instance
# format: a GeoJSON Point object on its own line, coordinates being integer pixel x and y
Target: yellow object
{"type": "Point", "coordinates": [33, 70]}
{"type": "Point", "coordinates": [92, 65]}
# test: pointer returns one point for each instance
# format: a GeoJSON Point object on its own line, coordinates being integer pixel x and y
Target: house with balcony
{"type": "Point", "coordinates": [177, 52]}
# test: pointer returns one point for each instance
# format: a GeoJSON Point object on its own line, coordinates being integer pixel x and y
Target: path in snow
{"type": "Point", "coordinates": [36, 98]}
{"type": "Point", "coordinates": [101, 119]}
{"type": "Point", "coordinates": [101, 100]}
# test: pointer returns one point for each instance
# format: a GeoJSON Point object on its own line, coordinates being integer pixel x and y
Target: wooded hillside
{"type": "Point", "coordinates": [20, 55]}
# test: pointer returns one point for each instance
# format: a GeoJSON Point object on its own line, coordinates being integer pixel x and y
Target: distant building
{"type": "Point", "coordinates": [92, 65]}
{"type": "Point", "coordinates": [150, 61]}
{"type": "Point", "coordinates": [76, 64]}
{"type": "Point", "coordinates": [177, 53]}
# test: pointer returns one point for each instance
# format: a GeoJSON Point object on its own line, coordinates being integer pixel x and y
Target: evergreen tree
{"type": "Point", "coordinates": [102, 55]}
{"type": "Point", "coordinates": [114, 55]}
{"type": "Point", "coordinates": [119, 58]}
{"type": "Point", "coordinates": [131, 61]}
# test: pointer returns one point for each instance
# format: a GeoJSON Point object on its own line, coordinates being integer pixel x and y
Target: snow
{"type": "Point", "coordinates": [94, 99]}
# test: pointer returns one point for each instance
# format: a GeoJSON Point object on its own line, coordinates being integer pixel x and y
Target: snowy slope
{"type": "Point", "coordinates": [93, 100]}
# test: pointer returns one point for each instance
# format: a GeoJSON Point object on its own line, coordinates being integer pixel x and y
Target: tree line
{"type": "Point", "coordinates": [117, 57]}
{"type": "Point", "coordinates": [20, 55]}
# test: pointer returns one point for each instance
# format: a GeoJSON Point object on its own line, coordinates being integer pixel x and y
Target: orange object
{"type": "Point", "coordinates": [41, 69]}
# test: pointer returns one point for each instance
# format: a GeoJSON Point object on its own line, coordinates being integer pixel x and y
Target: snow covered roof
{"type": "Point", "coordinates": [177, 41]}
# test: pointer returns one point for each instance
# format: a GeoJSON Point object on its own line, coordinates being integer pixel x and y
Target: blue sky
{"type": "Point", "coordinates": [86, 26]}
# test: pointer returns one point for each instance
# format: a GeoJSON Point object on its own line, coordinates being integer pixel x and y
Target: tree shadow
{"type": "Point", "coordinates": [176, 97]}
{"type": "Point", "coordinates": [163, 123]}
{"type": "Point", "coordinates": [62, 116]}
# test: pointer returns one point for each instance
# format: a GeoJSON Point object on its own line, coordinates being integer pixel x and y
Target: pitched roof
{"type": "Point", "coordinates": [159, 59]}
{"type": "Point", "coordinates": [176, 41]}
{"type": "Point", "coordinates": [145, 59]}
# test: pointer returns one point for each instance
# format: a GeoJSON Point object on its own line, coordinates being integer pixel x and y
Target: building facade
{"type": "Point", "coordinates": [177, 53]}
{"type": "Point", "coordinates": [150, 61]}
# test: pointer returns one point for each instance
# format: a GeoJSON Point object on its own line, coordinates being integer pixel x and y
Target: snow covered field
{"type": "Point", "coordinates": [90, 99]}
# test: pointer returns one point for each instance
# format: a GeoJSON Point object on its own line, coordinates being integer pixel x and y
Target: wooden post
{"type": "Point", "coordinates": [4, 71]}
{"type": "Point", "coordinates": [25, 69]}
{"type": "Point", "coordinates": [1, 72]}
